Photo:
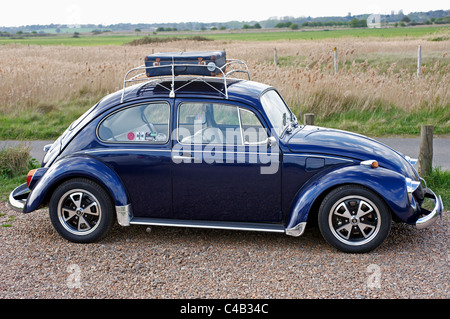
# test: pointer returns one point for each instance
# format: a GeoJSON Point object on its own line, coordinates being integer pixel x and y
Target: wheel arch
{"type": "Point", "coordinates": [61, 181]}
{"type": "Point", "coordinates": [71, 167]}
{"type": "Point", "coordinates": [386, 184]}
{"type": "Point", "coordinates": [314, 210]}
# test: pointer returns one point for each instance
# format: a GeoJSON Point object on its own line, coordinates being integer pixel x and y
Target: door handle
{"type": "Point", "coordinates": [182, 158]}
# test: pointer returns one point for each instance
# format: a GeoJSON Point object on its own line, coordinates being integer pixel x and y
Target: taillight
{"type": "Point", "coordinates": [30, 176]}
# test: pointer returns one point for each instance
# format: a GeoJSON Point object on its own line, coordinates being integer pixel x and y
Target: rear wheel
{"type": "Point", "coordinates": [81, 211]}
{"type": "Point", "coordinates": [354, 219]}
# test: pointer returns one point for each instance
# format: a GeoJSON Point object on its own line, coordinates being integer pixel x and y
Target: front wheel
{"type": "Point", "coordinates": [81, 211]}
{"type": "Point", "coordinates": [354, 219]}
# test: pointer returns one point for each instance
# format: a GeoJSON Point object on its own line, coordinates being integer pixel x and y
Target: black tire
{"type": "Point", "coordinates": [81, 211]}
{"type": "Point", "coordinates": [353, 219]}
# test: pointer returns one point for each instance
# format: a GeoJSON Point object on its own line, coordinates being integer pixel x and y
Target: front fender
{"type": "Point", "coordinates": [75, 166]}
{"type": "Point", "coordinates": [389, 185]}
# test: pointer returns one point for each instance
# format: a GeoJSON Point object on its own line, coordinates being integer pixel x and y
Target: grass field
{"type": "Point", "coordinates": [69, 40]}
{"type": "Point", "coordinates": [234, 35]}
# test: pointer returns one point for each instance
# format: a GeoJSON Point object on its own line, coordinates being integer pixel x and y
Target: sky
{"type": "Point", "coordinates": [26, 12]}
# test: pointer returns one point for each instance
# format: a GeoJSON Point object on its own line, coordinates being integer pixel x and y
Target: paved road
{"type": "Point", "coordinates": [407, 146]}
{"type": "Point", "coordinates": [36, 147]}
{"type": "Point", "coordinates": [410, 147]}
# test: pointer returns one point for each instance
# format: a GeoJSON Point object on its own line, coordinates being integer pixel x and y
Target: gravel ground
{"type": "Point", "coordinates": [197, 263]}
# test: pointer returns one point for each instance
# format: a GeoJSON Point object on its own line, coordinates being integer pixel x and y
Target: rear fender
{"type": "Point", "coordinates": [389, 185]}
{"type": "Point", "coordinates": [76, 166]}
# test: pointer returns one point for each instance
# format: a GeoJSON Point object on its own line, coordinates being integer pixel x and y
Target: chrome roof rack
{"type": "Point", "coordinates": [140, 74]}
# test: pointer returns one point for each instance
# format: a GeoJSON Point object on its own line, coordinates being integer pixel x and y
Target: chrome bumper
{"type": "Point", "coordinates": [18, 197]}
{"type": "Point", "coordinates": [430, 216]}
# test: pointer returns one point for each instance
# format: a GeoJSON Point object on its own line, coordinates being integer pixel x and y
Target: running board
{"type": "Point", "coordinates": [261, 227]}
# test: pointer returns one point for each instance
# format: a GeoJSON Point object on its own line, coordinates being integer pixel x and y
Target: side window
{"type": "Point", "coordinates": [214, 123]}
{"type": "Point", "coordinates": [147, 123]}
{"type": "Point", "coordinates": [252, 129]}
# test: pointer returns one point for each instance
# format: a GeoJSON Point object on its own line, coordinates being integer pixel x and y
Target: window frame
{"type": "Point", "coordinates": [239, 108]}
{"type": "Point", "coordinates": [137, 142]}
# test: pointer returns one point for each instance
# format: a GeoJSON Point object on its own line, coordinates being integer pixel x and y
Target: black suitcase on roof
{"type": "Point", "coordinates": [186, 63]}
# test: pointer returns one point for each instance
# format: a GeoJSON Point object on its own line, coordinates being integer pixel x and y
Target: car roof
{"type": "Point", "coordinates": [243, 91]}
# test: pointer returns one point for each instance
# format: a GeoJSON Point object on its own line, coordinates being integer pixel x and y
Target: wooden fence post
{"type": "Point", "coordinates": [419, 61]}
{"type": "Point", "coordinates": [426, 150]}
{"type": "Point", "coordinates": [335, 61]}
{"type": "Point", "coordinates": [275, 57]}
{"type": "Point", "coordinates": [309, 118]}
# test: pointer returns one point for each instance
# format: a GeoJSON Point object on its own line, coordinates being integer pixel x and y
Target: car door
{"type": "Point", "coordinates": [223, 168]}
{"type": "Point", "coordinates": [138, 148]}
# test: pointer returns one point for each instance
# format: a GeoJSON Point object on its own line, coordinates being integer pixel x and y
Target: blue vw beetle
{"type": "Point", "coordinates": [186, 144]}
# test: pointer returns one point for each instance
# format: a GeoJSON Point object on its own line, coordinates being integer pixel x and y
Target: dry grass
{"type": "Point", "coordinates": [15, 161]}
{"type": "Point", "coordinates": [373, 73]}
{"type": "Point", "coordinates": [368, 76]}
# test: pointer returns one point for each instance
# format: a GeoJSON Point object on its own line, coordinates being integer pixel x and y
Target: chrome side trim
{"type": "Point", "coordinates": [273, 228]}
{"type": "Point", "coordinates": [319, 156]}
{"type": "Point", "coordinates": [297, 230]}
{"type": "Point", "coordinates": [124, 215]}
{"type": "Point", "coordinates": [112, 150]}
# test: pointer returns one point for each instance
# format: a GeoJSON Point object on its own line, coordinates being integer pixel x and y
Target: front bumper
{"type": "Point", "coordinates": [430, 216]}
{"type": "Point", "coordinates": [18, 197]}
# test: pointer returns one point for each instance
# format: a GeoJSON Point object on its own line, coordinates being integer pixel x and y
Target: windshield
{"type": "Point", "coordinates": [277, 111]}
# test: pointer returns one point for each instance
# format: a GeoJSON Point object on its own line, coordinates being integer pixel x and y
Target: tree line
{"type": "Point", "coordinates": [354, 23]}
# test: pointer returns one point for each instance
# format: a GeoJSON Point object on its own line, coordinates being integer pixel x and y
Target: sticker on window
{"type": "Point", "coordinates": [161, 137]}
{"type": "Point", "coordinates": [150, 136]}
{"type": "Point", "coordinates": [130, 136]}
{"type": "Point", "coordinates": [140, 136]}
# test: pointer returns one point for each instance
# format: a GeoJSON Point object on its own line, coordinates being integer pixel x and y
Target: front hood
{"type": "Point", "coordinates": [319, 140]}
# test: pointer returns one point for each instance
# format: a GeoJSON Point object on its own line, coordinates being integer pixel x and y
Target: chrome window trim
{"type": "Point", "coordinates": [240, 126]}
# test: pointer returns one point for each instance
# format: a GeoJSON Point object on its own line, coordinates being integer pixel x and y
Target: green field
{"type": "Point", "coordinates": [69, 40]}
{"type": "Point", "coordinates": [87, 39]}
{"type": "Point", "coordinates": [328, 34]}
